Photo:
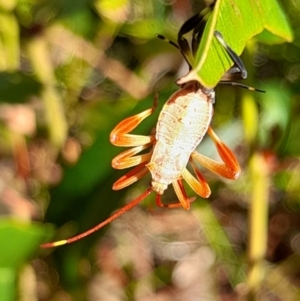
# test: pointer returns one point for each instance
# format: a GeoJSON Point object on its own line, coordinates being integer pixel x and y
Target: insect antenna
{"type": "Point", "coordinates": [241, 86]}
{"type": "Point", "coordinates": [127, 207]}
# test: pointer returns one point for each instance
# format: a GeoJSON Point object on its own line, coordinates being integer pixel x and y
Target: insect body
{"type": "Point", "coordinates": [182, 123]}
{"type": "Point", "coordinates": [180, 128]}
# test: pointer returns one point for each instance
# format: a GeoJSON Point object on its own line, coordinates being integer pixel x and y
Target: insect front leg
{"type": "Point", "coordinates": [131, 177]}
{"type": "Point", "coordinates": [197, 24]}
{"type": "Point", "coordinates": [127, 159]}
{"type": "Point", "coordinates": [230, 167]}
{"type": "Point", "coordinates": [120, 137]}
{"type": "Point", "coordinates": [239, 68]}
{"type": "Point", "coordinates": [237, 71]}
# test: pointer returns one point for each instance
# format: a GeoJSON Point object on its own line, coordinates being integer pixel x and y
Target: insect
{"type": "Point", "coordinates": [182, 123]}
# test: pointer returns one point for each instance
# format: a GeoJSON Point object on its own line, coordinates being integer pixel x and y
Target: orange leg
{"type": "Point", "coordinates": [127, 159]}
{"type": "Point", "coordinates": [230, 167]}
{"type": "Point", "coordinates": [131, 177]}
{"type": "Point", "coordinates": [102, 224]}
{"type": "Point", "coordinates": [199, 185]}
{"type": "Point", "coordinates": [119, 135]}
{"type": "Point", "coordinates": [181, 193]}
{"type": "Point", "coordinates": [184, 201]}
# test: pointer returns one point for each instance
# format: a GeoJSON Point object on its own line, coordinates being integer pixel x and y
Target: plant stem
{"type": "Point", "coordinates": [258, 218]}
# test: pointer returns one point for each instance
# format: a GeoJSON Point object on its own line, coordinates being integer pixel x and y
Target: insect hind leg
{"type": "Point", "coordinates": [118, 213]}
{"type": "Point", "coordinates": [184, 200]}
{"type": "Point", "coordinates": [199, 184]}
{"type": "Point", "coordinates": [229, 168]}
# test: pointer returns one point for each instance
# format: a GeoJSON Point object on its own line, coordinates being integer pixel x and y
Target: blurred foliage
{"type": "Point", "coordinates": [69, 72]}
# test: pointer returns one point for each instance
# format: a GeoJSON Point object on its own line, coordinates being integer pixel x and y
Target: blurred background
{"type": "Point", "coordinates": [69, 72]}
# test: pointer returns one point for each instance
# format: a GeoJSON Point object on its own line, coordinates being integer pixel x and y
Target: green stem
{"type": "Point", "coordinates": [258, 219]}
{"type": "Point", "coordinates": [39, 55]}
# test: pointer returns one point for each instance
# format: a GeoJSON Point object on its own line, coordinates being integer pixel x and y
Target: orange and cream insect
{"type": "Point", "coordinates": [182, 124]}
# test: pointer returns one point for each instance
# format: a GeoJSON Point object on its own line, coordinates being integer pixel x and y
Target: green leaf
{"type": "Point", "coordinates": [275, 20]}
{"type": "Point", "coordinates": [268, 38]}
{"type": "Point", "coordinates": [238, 22]}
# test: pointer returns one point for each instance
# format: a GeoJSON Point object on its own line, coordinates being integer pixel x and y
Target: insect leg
{"type": "Point", "coordinates": [181, 194]}
{"type": "Point", "coordinates": [229, 168]}
{"type": "Point", "coordinates": [189, 25]}
{"type": "Point", "coordinates": [119, 135]}
{"type": "Point", "coordinates": [226, 154]}
{"type": "Point", "coordinates": [237, 71]}
{"type": "Point", "coordinates": [199, 185]}
{"type": "Point", "coordinates": [241, 69]}
{"type": "Point", "coordinates": [197, 34]}
{"type": "Point", "coordinates": [102, 224]}
{"type": "Point", "coordinates": [197, 24]}
{"type": "Point", "coordinates": [127, 159]}
{"type": "Point", "coordinates": [131, 177]}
